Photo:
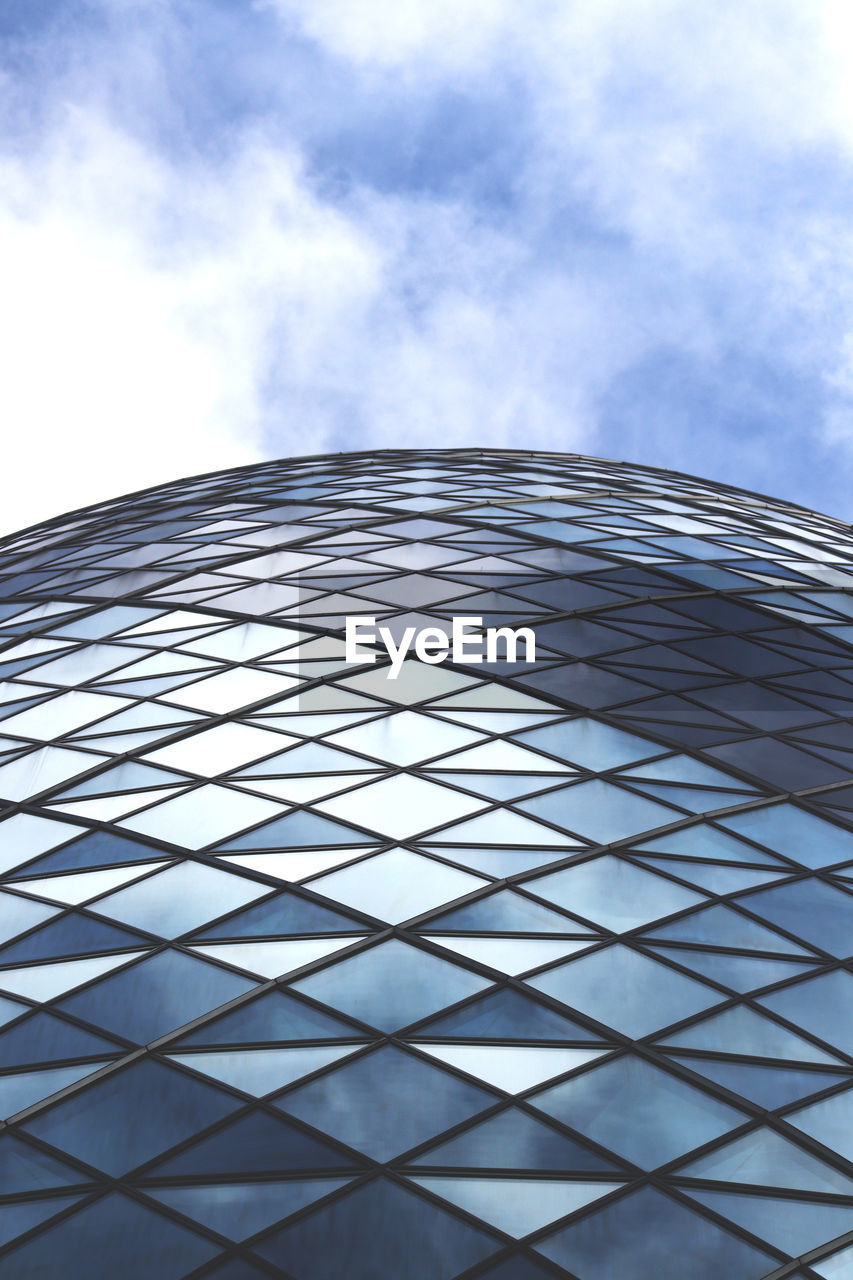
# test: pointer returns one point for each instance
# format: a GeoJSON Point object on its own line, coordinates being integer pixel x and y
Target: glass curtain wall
{"type": "Point", "coordinates": [502, 970]}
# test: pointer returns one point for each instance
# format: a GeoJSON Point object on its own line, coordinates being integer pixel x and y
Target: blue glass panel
{"type": "Point", "coordinates": [379, 1229]}
{"type": "Point", "coordinates": [236, 1269]}
{"type": "Point", "coordinates": [505, 912]}
{"type": "Point", "coordinates": [117, 1237]}
{"type": "Point", "coordinates": [516, 1268]}
{"type": "Point", "coordinates": [590, 744]}
{"type": "Point", "coordinates": [794, 1226]}
{"type": "Point", "coordinates": [599, 811]}
{"type": "Point", "coordinates": [638, 1237]}
{"type": "Point", "coordinates": [157, 995]}
{"type": "Point", "coordinates": [71, 935]}
{"type": "Point", "coordinates": [25, 1168]}
{"type": "Point", "coordinates": [741, 1030]}
{"type": "Point", "coordinates": [300, 830]}
{"type": "Point", "coordinates": [391, 985]}
{"type": "Point", "coordinates": [810, 909]}
{"type": "Point", "coordinates": [506, 1014]}
{"type": "Point", "coordinates": [719, 926]}
{"type": "Point", "coordinates": [385, 1102]}
{"type": "Point", "coordinates": [126, 1118]}
{"type": "Point", "coordinates": [667, 1115]}
{"type": "Point", "coordinates": [43, 1038]}
{"type": "Point", "coordinates": [703, 841]}
{"type": "Point", "coordinates": [741, 973]}
{"type": "Point", "coordinates": [770, 1087]}
{"type": "Point", "coordinates": [15, 1219]}
{"type": "Point", "coordinates": [273, 1017]}
{"type": "Point", "coordinates": [714, 878]}
{"type": "Point", "coordinates": [18, 1091]}
{"type": "Point", "coordinates": [829, 1121]}
{"type": "Point", "coordinates": [238, 1210]}
{"type": "Point", "coordinates": [764, 1158]}
{"type": "Point", "coordinates": [820, 1005]}
{"type": "Point", "coordinates": [839, 1266]}
{"type": "Point", "coordinates": [287, 913]}
{"type": "Point", "coordinates": [625, 990]}
{"type": "Point", "coordinates": [254, 1143]}
{"type": "Point", "coordinates": [97, 849]}
{"type": "Point", "coordinates": [795, 833]}
{"type": "Point", "coordinates": [514, 1140]}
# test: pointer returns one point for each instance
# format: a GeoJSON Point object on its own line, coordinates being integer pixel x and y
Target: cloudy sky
{"type": "Point", "coordinates": [235, 230]}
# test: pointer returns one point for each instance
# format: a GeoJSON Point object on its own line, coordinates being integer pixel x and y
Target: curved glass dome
{"type": "Point", "coordinates": [494, 969]}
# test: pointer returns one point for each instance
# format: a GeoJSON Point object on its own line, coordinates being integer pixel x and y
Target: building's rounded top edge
{"type": "Point", "coordinates": [639, 476]}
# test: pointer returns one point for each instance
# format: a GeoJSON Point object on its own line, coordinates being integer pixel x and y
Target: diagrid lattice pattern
{"type": "Point", "coordinates": [499, 971]}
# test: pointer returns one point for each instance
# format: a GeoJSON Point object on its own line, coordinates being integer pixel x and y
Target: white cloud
{"type": "Point", "coordinates": [171, 307]}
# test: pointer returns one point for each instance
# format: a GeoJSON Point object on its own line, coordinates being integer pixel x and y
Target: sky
{"type": "Point", "coordinates": [233, 231]}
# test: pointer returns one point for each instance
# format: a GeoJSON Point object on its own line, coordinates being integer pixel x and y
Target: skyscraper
{"type": "Point", "coordinates": [423, 962]}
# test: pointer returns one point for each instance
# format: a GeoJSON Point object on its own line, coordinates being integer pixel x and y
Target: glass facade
{"type": "Point", "coordinates": [501, 970]}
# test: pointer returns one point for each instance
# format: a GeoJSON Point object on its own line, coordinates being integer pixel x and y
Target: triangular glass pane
{"type": "Point", "coordinates": [401, 806]}
{"type": "Point", "coordinates": [405, 738]}
{"type": "Point", "coordinates": [19, 914]}
{"type": "Point", "coordinates": [71, 935]}
{"type": "Point", "coordinates": [272, 1018]}
{"type": "Point", "coordinates": [704, 841]}
{"type": "Point", "coordinates": [260, 1071]}
{"type": "Point", "coordinates": [625, 990]}
{"type": "Point", "coordinates": [396, 885]}
{"type": "Point", "coordinates": [513, 1068]}
{"type": "Point", "coordinates": [515, 1140]}
{"type": "Point", "coordinates": [17, 1218]}
{"type": "Point", "coordinates": [829, 1121]}
{"type": "Point", "coordinates": [711, 876]}
{"type": "Point", "coordinates": [614, 893]}
{"type": "Point", "coordinates": [19, 1091]}
{"type": "Point", "coordinates": [42, 1038]}
{"type": "Point", "coordinates": [130, 1116]}
{"type": "Point", "coordinates": [73, 889]}
{"type": "Point", "coordinates": [591, 744]}
{"type": "Point", "coordinates": [25, 1168]}
{"type": "Point", "coordinates": [298, 830]}
{"type": "Point", "coordinates": [164, 992]}
{"type": "Point", "coordinates": [765, 1158]}
{"type": "Point", "coordinates": [272, 959]}
{"type": "Point", "coordinates": [668, 1116]}
{"type": "Point", "coordinates": [254, 1143]}
{"type": "Point", "coordinates": [506, 912]}
{"type": "Point", "coordinates": [644, 1232]}
{"type": "Point", "coordinates": [391, 985]}
{"type": "Point", "coordinates": [794, 1226]}
{"type": "Point", "coordinates": [290, 866]}
{"type": "Point", "coordinates": [240, 1209]}
{"type": "Point", "coordinates": [506, 1014]}
{"type": "Point", "coordinates": [770, 1087]}
{"type": "Point", "coordinates": [385, 1102]}
{"type": "Point", "coordinates": [118, 1237]}
{"type": "Point", "coordinates": [810, 909]}
{"type": "Point", "coordinates": [741, 973]}
{"type": "Point", "coordinates": [599, 811]}
{"type": "Point", "coordinates": [505, 827]}
{"type": "Point", "coordinates": [380, 1229]}
{"type": "Point", "coordinates": [283, 914]}
{"type": "Point", "coordinates": [515, 1206]}
{"type": "Point", "coordinates": [741, 1030]}
{"type": "Point", "coordinates": [180, 898]}
{"type": "Point", "coordinates": [796, 834]}
{"type": "Point", "coordinates": [46, 981]}
{"type": "Point", "coordinates": [719, 926]}
{"type": "Point", "coordinates": [820, 1005]}
{"type": "Point", "coordinates": [97, 849]}
{"type": "Point", "coordinates": [509, 955]}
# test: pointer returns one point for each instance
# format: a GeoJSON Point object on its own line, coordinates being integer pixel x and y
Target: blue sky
{"type": "Point", "coordinates": [232, 231]}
